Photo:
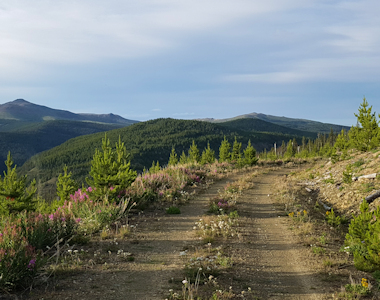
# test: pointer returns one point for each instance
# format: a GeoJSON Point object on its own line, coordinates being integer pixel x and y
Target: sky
{"type": "Point", "coordinates": [148, 59]}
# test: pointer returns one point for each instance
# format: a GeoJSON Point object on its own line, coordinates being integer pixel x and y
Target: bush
{"type": "Point", "coordinates": [363, 239]}
{"type": "Point", "coordinates": [172, 210]}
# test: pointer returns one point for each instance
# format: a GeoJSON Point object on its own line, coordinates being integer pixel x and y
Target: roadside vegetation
{"type": "Point", "coordinates": [324, 203]}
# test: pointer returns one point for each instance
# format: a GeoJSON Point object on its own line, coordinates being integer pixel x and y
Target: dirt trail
{"type": "Point", "coordinates": [271, 261]}
{"type": "Point", "coordinates": [266, 258]}
{"type": "Point", "coordinates": [158, 240]}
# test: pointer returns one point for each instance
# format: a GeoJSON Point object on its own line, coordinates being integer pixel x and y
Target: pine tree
{"type": "Point", "coordinates": [365, 135]}
{"type": "Point", "coordinates": [208, 155]}
{"type": "Point", "coordinates": [236, 151]}
{"type": "Point", "coordinates": [224, 150]}
{"type": "Point", "coordinates": [289, 150]}
{"type": "Point", "coordinates": [183, 158]}
{"type": "Point", "coordinates": [173, 159]}
{"type": "Point", "coordinates": [283, 148]}
{"type": "Point", "coordinates": [110, 172]}
{"type": "Point", "coordinates": [155, 167]}
{"type": "Point", "coordinates": [250, 158]}
{"type": "Point", "coordinates": [342, 141]}
{"type": "Point", "coordinates": [66, 186]}
{"type": "Point", "coordinates": [194, 153]}
{"type": "Point", "coordinates": [15, 196]}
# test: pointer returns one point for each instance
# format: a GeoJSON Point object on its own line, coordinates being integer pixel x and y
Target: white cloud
{"type": "Point", "coordinates": [72, 31]}
{"type": "Point", "coordinates": [343, 69]}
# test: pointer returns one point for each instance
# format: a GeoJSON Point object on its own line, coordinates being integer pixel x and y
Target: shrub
{"type": "Point", "coordinates": [347, 174]}
{"type": "Point", "coordinates": [334, 220]}
{"type": "Point", "coordinates": [172, 210]}
{"type": "Point", "coordinates": [363, 239]}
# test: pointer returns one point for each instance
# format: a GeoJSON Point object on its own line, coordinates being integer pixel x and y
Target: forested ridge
{"type": "Point", "coordinates": [146, 141]}
{"type": "Point", "coordinates": [33, 138]}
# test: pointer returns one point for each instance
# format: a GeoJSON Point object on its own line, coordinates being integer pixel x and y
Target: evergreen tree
{"type": "Point", "coordinates": [194, 153]}
{"type": "Point", "coordinates": [173, 159]}
{"type": "Point", "coordinates": [155, 167]}
{"type": "Point", "coordinates": [365, 135]}
{"type": "Point", "coordinates": [342, 142]}
{"type": "Point", "coordinates": [303, 143]}
{"type": "Point", "coordinates": [208, 155]}
{"type": "Point", "coordinates": [295, 146]}
{"type": "Point", "coordinates": [110, 172]}
{"type": "Point", "coordinates": [332, 137]}
{"type": "Point", "coordinates": [183, 158]}
{"type": "Point", "coordinates": [250, 158]}
{"type": "Point", "coordinates": [224, 150]}
{"type": "Point", "coordinates": [236, 151]}
{"type": "Point", "coordinates": [289, 150]}
{"type": "Point", "coordinates": [15, 196]}
{"type": "Point", "coordinates": [283, 148]}
{"type": "Point", "coordinates": [66, 186]}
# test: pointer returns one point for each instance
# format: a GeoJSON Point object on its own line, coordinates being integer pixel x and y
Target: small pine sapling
{"type": "Point", "coordinates": [194, 153]}
{"type": "Point", "coordinates": [110, 173]}
{"type": "Point", "coordinates": [224, 150]}
{"type": "Point", "coordinates": [66, 186]}
{"type": "Point", "coordinates": [173, 159]}
{"type": "Point", "coordinates": [250, 158]}
{"type": "Point", "coordinates": [208, 155]}
{"type": "Point", "coordinates": [15, 196]}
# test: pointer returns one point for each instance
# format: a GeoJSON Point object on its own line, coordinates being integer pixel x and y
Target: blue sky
{"type": "Point", "coordinates": [193, 59]}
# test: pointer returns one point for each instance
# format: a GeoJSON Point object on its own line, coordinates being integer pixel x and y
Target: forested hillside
{"type": "Point", "coordinates": [252, 124]}
{"type": "Point", "coordinates": [146, 141]}
{"type": "Point", "coordinates": [297, 124]}
{"type": "Point", "coordinates": [37, 137]}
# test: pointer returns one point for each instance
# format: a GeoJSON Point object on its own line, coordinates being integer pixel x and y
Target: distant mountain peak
{"type": "Point", "coordinates": [20, 101]}
{"type": "Point", "coordinates": [22, 110]}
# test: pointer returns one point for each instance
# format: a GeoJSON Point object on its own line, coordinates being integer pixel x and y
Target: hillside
{"type": "Point", "coordinates": [298, 124]}
{"type": "Point", "coordinates": [21, 112]}
{"type": "Point", "coordinates": [252, 124]}
{"type": "Point", "coordinates": [146, 141]}
{"type": "Point", "coordinates": [37, 137]}
{"type": "Point", "coordinates": [338, 190]}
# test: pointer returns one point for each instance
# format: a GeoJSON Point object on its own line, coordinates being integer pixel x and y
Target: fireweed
{"type": "Point", "coordinates": [23, 239]}
{"type": "Point", "coordinates": [226, 199]}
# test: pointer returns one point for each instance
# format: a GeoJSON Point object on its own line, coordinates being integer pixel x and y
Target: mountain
{"type": "Point", "coordinates": [298, 124]}
{"type": "Point", "coordinates": [18, 113]}
{"type": "Point", "coordinates": [29, 140]}
{"type": "Point", "coordinates": [27, 129]}
{"type": "Point", "coordinates": [257, 125]}
{"type": "Point", "coordinates": [146, 141]}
